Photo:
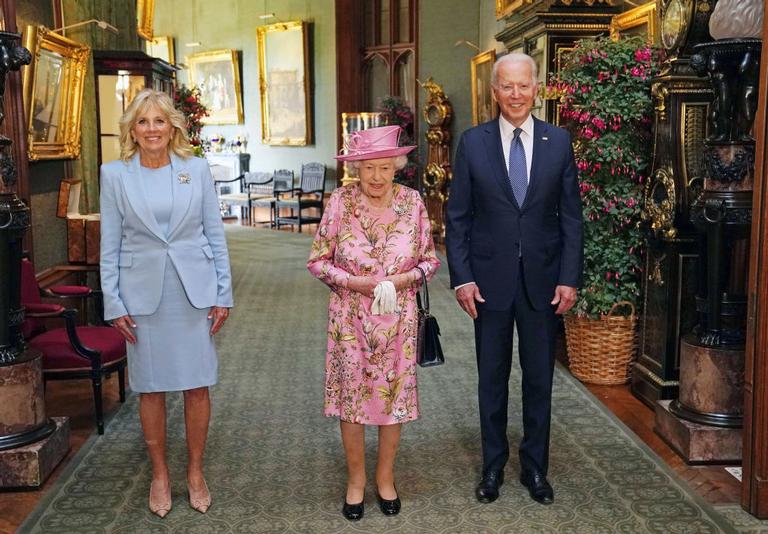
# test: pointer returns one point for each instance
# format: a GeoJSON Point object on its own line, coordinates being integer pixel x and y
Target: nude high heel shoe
{"type": "Point", "coordinates": [160, 504]}
{"type": "Point", "coordinates": [199, 500]}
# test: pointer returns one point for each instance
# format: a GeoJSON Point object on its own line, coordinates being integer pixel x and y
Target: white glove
{"type": "Point", "coordinates": [385, 298]}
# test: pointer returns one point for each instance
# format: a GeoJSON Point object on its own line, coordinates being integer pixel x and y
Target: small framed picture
{"type": "Point", "coordinates": [484, 107]}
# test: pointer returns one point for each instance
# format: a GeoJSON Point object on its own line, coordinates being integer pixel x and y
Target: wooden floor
{"type": "Point", "coordinates": [73, 399]}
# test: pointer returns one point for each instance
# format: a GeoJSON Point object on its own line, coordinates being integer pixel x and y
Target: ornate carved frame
{"type": "Point", "coordinates": [489, 56]}
{"type": "Point", "coordinates": [145, 16]}
{"type": "Point", "coordinates": [264, 45]}
{"type": "Point", "coordinates": [233, 114]}
{"type": "Point", "coordinates": [644, 15]}
{"type": "Point", "coordinates": [37, 39]}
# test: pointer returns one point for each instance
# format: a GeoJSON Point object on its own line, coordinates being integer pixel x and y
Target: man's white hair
{"type": "Point", "coordinates": [514, 57]}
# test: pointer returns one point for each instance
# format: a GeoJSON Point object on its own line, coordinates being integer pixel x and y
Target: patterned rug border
{"type": "Point", "coordinates": [560, 369]}
{"type": "Point", "coordinates": [71, 467]}
{"type": "Point", "coordinates": [713, 514]}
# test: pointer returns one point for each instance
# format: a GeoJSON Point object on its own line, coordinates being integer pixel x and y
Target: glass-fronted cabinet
{"type": "Point", "coordinates": [120, 75]}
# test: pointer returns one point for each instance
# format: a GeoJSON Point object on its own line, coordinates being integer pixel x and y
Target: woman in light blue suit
{"type": "Point", "coordinates": [166, 279]}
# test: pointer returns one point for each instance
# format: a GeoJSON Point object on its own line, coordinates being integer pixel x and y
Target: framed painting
{"type": "Point", "coordinates": [53, 94]}
{"type": "Point", "coordinates": [484, 107]}
{"type": "Point", "coordinates": [284, 83]}
{"type": "Point", "coordinates": [145, 16]}
{"type": "Point", "coordinates": [642, 21]}
{"type": "Point", "coordinates": [162, 47]}
{"type": "Point", "coordinates": [217, 75]}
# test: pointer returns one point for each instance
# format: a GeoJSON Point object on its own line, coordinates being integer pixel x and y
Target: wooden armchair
{"type": "Point", "coordinates": [71, 352]}
{"type": "Point", "coordinates": [308, 196]}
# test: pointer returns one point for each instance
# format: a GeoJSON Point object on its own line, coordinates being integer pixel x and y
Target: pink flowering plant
{"type": "Point", "coordinates": [188, 101]}
{"type": "Point", "coordinates": [604, 88]}
{"type": "Point", "coordinates": [399, 113]}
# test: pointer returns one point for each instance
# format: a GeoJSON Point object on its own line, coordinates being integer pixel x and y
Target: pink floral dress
{"type": "Point", "coordinates": [370, 373]}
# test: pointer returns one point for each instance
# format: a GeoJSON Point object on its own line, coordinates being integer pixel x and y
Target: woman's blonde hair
{"type": "Point", "coordinates": [146, 99]}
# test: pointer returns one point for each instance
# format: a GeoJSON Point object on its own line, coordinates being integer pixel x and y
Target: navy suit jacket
{"type": "Point", "coordinates": [487, 232]}
{"type": "Point", "coordinates": [134, 250]}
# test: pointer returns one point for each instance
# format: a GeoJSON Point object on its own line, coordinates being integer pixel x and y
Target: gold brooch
{"type": "Point", "coordinates": [184, 178]}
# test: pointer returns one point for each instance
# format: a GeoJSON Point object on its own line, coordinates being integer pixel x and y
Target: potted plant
{"type": "Point", "coordinates": [187, 100]}
{"type": "Point", "coordinates": [605, 101]}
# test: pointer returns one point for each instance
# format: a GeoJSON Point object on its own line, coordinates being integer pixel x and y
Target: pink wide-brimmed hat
{"type": "Point", "coordinates": [373, 143]}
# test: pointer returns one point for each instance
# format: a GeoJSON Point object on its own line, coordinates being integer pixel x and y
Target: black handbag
{"type": "Point", "coordinates": [428, 349]}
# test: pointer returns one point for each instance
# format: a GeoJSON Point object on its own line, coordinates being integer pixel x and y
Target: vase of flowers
{"type": "Point", "coordinates": [398, 112]}
{"type": "Point", "coordinates": [187, 100]}
{"type": "Point", "coordinates": [604, 88]}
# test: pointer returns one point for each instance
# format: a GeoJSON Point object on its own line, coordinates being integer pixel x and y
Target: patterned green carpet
{"type": "Point", "coordinates": [275, 464]}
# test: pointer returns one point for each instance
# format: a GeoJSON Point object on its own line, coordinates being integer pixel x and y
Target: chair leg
{"type": "Point", "coordinates": [121, 383]}
{"type": "Point", "coordinates": [96, 379]}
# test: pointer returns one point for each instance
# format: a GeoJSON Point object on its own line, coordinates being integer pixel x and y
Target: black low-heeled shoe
{"type": "Point", "coordinates": [389, 507]}
{"type": "Point", "coordinates": [353, 512]}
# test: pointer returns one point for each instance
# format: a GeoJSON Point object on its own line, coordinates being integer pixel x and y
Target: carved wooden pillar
{"type": "Point", "coordinates": [437, 172]}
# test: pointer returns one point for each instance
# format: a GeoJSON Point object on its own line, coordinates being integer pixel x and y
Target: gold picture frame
{"type": "Point", "coordinates": [53, 94]}
{"type": "Point", "coordinates": [162, 47]}
{"type": "Point", "coordinates": [642, 20]}
{"type": "Point", "coordinates": [506, 7]}
{"type": "Point", "coordinates": [145, 17]}
{"type": "Point", "coordinates": [217, 74]}
{"type": "Point", "coordinates": [484, 107]}
{"type": "Point", "coordinates": [286, 117]}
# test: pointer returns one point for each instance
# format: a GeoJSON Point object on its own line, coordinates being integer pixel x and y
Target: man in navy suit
{"type": "Point", "coordinates": [515, 253]}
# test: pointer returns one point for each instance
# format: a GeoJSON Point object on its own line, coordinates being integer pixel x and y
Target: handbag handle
{"type": "Point", "coordinates": [424, 286]}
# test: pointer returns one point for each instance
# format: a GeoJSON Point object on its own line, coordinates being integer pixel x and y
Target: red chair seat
{"type": "Point", "coordinates": [59, 354]}
{"type": "Point", "coordinates": [70, 291]}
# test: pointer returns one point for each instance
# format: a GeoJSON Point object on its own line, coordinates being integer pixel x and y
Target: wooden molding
{"type": "Point", "coordinates": [754, 495]}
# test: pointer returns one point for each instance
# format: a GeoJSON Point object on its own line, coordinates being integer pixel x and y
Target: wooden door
{"type": "Point", "coordinates": [754, 495]}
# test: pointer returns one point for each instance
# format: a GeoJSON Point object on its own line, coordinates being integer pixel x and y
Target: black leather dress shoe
{"type": "Point", "coordinates": [488, 488]}
{"type": "Point", "coordinates": [353, 512]}
{"type": "Point", "coordinates": [389, 507]}
{"type": "Point", "coordinates": [538, 487]}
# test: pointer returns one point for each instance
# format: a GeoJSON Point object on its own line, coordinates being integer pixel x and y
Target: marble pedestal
{"type": "Point", "coordinates": [29, 466]}
{"type": "Point", "coordinates": [31, 444]}
{"type": "Point", "coordinates": [697, 443]}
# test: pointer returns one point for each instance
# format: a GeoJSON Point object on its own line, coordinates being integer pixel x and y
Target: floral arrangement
{"type": "Point", "coordinates": [400, 114]}
{"type": "Point", "coordinates": [605, 101]}
{"type": "Point", "coordinates": [187, 100]}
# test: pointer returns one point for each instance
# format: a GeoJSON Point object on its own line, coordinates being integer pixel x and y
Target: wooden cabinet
{"type": "Point", "coordinates": [120, 75]}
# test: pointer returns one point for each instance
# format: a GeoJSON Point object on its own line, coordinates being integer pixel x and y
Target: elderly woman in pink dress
{"type": "Point", "coordinates": [372, 243]}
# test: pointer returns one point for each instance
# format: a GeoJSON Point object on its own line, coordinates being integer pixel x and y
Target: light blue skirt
{"type": "Point", "coordinates": [174, 350]}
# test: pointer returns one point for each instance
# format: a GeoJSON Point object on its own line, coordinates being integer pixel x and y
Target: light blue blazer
{"type": "Point", "coordinates": [134, 250]}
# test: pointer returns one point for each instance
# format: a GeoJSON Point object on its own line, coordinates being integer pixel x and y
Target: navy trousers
{"type": "Point", "coordinates": [493, 344]}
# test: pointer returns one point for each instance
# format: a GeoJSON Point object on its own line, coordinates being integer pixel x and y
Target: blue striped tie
{"type": "Point", "coordinates": [518, 174]}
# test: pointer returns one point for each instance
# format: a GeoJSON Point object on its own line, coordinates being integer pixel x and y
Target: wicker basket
{"type": "Point", "coordinates": [600, 351]}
